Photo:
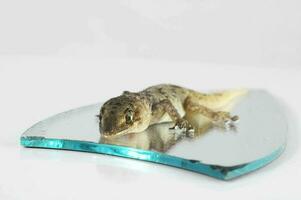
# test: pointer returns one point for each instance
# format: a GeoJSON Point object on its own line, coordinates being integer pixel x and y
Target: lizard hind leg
{"type": "Point", "coordinates": [221, 119]}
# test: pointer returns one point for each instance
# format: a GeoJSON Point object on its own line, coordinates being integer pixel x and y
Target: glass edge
{"type": "Point", "coordinates": [216, 171]}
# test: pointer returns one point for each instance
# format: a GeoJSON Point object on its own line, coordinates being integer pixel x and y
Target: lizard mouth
{"type": "Point", "coordinates": [112, 134]}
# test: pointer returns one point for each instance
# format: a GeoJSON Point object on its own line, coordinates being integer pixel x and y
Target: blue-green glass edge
{"type": "Point", "coordinates": [219, 172]}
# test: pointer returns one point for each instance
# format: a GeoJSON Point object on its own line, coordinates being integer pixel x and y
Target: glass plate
{"type": "Point", "coordinates": [259, 138]}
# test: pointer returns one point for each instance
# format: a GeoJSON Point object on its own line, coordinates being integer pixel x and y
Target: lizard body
{"type": "Point", "coordinates": [134, 112]}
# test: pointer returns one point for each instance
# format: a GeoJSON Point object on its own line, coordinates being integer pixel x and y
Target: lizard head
{"type": "Point", "coordinates": [124, 114]}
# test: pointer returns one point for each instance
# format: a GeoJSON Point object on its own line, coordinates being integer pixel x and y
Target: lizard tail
{"type": "Point", "coordinates": [219, 100]}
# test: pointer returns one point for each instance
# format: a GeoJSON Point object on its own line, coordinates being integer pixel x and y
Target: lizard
{"type": "Point", "coordinates": [134, 112]}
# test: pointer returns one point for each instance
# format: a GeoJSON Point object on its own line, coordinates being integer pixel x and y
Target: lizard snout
{"type": "Point", "coordinates": [107, 133]}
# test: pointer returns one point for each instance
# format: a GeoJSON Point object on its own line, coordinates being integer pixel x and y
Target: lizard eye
{"type": "Point", "coordinates": [129, 116]}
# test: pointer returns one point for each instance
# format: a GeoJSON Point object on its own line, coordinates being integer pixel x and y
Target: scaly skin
{"type": "Point", "coordinates": [135, 112]}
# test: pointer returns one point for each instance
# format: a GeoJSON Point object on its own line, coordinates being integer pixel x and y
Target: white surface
{"type": "Point", "coordinates": [64, 54]}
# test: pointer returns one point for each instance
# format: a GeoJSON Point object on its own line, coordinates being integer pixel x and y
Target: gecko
{"type": "Point", "coordinates": [134, 112]}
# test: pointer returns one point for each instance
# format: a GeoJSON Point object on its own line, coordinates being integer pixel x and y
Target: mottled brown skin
{"type": "Point", "coordinates": [135, 112]}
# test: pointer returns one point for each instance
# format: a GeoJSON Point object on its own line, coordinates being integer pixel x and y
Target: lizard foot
{"type": "Point", "coordinates": [225, 120]}
{"type": "Point", "coordinates": [183, 128]}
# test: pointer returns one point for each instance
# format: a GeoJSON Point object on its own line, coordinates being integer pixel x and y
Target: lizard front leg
{"type": "Point", "coordinates": [165, 106]}
{"type": "Point", "coordinates": [218, 118]}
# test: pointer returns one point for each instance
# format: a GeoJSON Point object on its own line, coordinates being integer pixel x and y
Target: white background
{"type": "Point", "coordinates": [57, 55]}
